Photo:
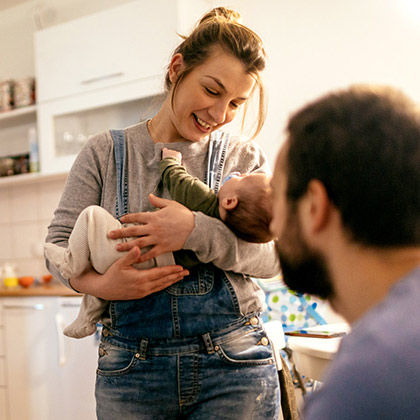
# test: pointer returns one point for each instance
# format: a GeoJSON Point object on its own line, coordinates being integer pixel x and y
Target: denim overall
{"type": "Point", "coordinates": [185, 352]}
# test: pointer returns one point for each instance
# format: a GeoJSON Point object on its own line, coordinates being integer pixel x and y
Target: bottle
{"type": "Point", "coordinates": [33, 150]}
{"type": "Point", "coordinates": [9, 275]}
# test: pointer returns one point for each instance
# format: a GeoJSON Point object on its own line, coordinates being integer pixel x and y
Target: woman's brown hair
{"type": "Point", "coordinates": [221, 28]}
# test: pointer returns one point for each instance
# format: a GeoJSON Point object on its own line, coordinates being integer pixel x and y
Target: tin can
{"type": "Point", "coordinates": [24, 92]}
{"type": "Point", "coordinates": [6, 95]}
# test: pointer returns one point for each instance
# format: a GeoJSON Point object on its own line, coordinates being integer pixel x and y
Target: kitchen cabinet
{"type": "Point", "coordinates": [111, 47]}
{"type": "Point", "coordinates": [47, 375]}
{"type": "Point", "coordinates": [14, 127]}
{"type": "Point", "coordinates": [64, 125]}
{"type": "Point", "coordinates": [98, 72]}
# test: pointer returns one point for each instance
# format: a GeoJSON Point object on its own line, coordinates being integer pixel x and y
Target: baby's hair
{"type": "Point", "coordinates": [221, 28]}
{"type": "Point", "coordinates": [250, 219]}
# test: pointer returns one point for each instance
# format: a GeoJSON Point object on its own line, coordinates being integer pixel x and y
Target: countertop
{"type": "Point", "coordinates": [51, 289]}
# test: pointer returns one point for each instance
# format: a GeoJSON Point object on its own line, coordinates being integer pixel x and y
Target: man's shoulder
{"type": "Point", "coordinates": [376, 367]}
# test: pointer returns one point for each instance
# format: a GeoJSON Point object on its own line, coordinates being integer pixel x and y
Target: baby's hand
{"type": "Point", "coordinates": [171, 153]}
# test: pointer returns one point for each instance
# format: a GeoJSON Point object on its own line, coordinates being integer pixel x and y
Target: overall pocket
{"type": "Point", "coordinates": [115, 361]}
{"type": "Point", "coordinates": [252, 348]}
{"type": "Point", "coordinates": [199, 282]}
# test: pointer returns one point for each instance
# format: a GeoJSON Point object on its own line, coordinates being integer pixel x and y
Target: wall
{"type": "Point", "coordinates": [25, 212]}
{"type": "Point", "coordinates": [313, 46]}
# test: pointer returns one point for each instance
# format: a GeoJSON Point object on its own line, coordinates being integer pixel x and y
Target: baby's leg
{"type": "Point", "coordinates": [89, 314]}
{"type": "Point", "coordinates": [102, 249]}
{"type": "Point", "coordinates": [88, 244]}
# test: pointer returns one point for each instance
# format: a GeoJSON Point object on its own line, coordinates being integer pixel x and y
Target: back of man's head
{"type": "Point", "coordinates": [364, 145]}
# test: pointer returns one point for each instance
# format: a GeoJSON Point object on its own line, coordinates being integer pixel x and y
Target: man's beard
{"type": "Point", "coordinates": [304, 271]}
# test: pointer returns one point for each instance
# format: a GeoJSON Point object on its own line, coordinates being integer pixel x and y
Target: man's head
{"type": "Point", "coordinates": [362, 147]}
{"type": "Point", "coordinates": [245, 206]}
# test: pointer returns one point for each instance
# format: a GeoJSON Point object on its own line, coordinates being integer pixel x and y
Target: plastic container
{"type": "Point", "coordinates": [33, 150]}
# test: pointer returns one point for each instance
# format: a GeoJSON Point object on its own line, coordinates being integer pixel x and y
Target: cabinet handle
{"type": "Point", "coordinates": [99, 78]}
{"type": "Point", "coordinates": [62, 358]}
{"type": "Point", "coordinates": [35, 307]}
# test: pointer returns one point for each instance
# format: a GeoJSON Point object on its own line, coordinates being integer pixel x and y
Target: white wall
{"type": "Point", "coordinates": [318, 45]}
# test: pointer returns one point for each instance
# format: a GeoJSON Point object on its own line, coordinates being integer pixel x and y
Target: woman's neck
{"type": "Point", "coordinates": [161, 128]}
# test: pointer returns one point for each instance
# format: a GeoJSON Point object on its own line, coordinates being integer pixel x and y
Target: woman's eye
{"type": "Point", "coordinates": [211, 91]}
{"type": "Point", "coordinates": [234, 105]}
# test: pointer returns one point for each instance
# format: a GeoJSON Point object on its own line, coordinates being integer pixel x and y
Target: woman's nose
{"type": "Point", "coordinates": [219, 112]}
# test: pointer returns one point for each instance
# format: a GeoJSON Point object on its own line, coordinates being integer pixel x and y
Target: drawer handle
{"type": "Point", "coordinates": [70, 305]}
{"type": "Point", "coordinates": [35, 307]}
{"type": "Point", "coordinates": [99, 78]}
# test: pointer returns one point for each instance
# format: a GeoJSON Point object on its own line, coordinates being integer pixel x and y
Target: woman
{"type": "Point", "coordinates": [193, 348]}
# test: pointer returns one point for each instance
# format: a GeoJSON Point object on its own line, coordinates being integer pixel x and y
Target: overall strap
{"type": "Point", "coordinates": [218, 145]}
{"type": "Point", "coordinates": [121, 206]}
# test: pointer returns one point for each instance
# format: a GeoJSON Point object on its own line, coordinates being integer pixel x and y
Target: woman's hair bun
{"type": "Point", "coordinates": [221, 13]}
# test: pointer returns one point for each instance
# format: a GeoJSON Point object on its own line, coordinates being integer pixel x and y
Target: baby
{"type": "Point", "coordinates": [242, 204]}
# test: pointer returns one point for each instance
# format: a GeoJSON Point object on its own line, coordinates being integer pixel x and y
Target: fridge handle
{"type": "Point", "coordinates": [62, 358]}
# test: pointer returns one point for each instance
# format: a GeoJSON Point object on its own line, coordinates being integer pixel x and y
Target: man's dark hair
{"type": "Point", "coordinates": [363, 144]}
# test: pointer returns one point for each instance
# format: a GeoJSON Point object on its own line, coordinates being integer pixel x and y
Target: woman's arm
{"type": "Point", "coordinates": [123, 282]}
{"type": "Point", "coordinates": [84, 187]}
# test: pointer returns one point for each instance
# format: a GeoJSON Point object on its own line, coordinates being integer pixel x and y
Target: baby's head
{"type": "Point", "coordinates": [244, 206]}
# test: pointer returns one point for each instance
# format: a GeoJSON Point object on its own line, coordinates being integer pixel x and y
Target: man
{"type": "Point", "coordinates": [346, 214]}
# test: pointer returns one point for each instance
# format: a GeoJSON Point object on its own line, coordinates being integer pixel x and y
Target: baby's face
{"type": "Point", "coordinates": [243, 182]}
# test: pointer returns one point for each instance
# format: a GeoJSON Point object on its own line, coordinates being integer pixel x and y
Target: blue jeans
{"type": "Point", "coordinates": [186, 353]}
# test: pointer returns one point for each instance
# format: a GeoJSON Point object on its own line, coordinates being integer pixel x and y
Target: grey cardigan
{"type": "Point", "coordinates": [92, 180]}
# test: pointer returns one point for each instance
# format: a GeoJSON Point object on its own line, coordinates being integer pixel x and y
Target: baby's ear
{"type": "Point", "coordinates": [229, 203]}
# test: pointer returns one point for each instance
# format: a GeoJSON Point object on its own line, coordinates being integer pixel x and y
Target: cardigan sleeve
{"type": "Point", "coordinates": [187, 189]}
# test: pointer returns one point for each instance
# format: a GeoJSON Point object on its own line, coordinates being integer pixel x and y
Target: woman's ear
{"type": "Point", "coordinates": [175, 67]}
{"type": "Point", "coordinates": [229, 203]}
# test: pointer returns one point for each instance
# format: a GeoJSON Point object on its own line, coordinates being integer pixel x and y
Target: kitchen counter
{"type": "Point", "coordinates": [51, 289]}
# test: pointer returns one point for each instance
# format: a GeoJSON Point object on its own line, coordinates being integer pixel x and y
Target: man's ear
{"type": "Point", "coordinates": [318, 205]}
{"type": "Point", "coordinates": [229, 203]}
{"type": "Point", "coordinates": [175, 67]}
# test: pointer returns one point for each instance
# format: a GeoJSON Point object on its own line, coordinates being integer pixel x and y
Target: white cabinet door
{"type": "Point", "coordinates": [29, 363]}
{"type": "Point", "coordinates": [115, 46]}
{"type": "Point", "coordinates": [49, 377]}
{"type": "Point", "coordinates": [65, 124]}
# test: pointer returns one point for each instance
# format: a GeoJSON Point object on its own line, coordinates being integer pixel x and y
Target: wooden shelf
{"type": "Point", "coordinates": [53, 289]}
{"type": "Point", "coordinates": [16, 113]}
{"type": "Point", "coordinates": [33, 178]}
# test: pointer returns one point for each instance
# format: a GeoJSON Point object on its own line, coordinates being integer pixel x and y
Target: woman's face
{"type": "Point", "coordinates": [208, 97]}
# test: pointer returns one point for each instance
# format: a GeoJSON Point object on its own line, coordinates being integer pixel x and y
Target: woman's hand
{"type": "Point", "coordinates": [166, 230]}
{"type": "Point", "coordinates": [124, 282]}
